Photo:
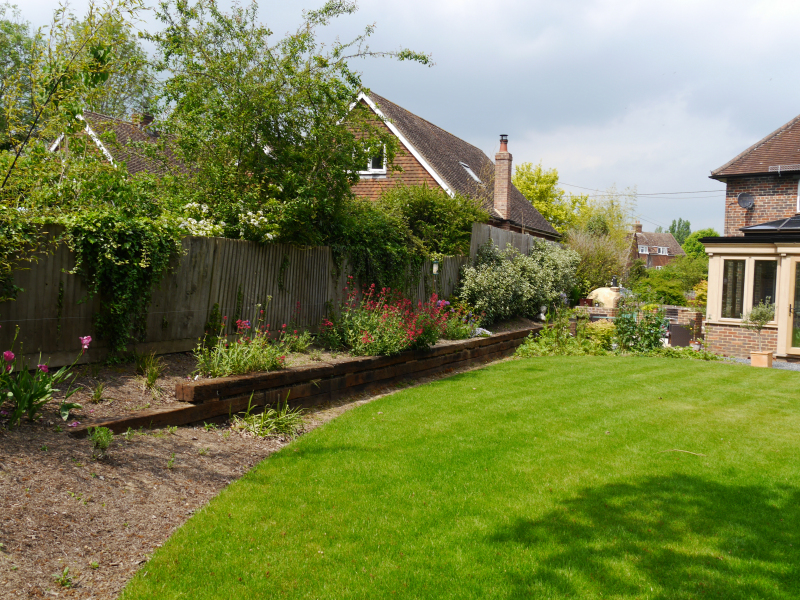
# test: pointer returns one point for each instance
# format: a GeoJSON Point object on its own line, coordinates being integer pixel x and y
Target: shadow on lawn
{"type": "Point", "coordinates": [688, 536]}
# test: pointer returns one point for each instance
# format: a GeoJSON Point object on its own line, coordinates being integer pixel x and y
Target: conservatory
{"type": "Point", "coordinates": [763, 265]}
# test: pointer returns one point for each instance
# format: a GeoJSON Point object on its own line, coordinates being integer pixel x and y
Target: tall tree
{"type": "Point", "coordinates": [16, 49]}
{"type": "Point", "coordinates": [266, 124]}
{"type": "Point", "coordinates": [680, 230]}
{"type": "Point", "coordinates": [540, 187]}
{"type": "Point", "coordinates": [131, 85]}
{"type": "Point", "coordinates": [692, 246]}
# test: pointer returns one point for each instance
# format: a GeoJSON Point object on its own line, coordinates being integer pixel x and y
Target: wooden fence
{"type": "Point", "coordinates": [482, 233]}
{"type": "Point", "coordinates": [292, 285]}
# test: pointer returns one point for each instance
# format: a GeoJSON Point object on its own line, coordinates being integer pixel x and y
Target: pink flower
{"type": "Point", "coordinates": [43, 368]}
{"type": "Point", "coordinates": [74, 424]}
{"type": "Point", "coordinates": [8, 356]}
{"type": "Point", "coordinates": [85, 341]}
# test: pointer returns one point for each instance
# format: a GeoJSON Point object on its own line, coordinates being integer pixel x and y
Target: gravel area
{"type": "Point", "coordinates": [776, 364]}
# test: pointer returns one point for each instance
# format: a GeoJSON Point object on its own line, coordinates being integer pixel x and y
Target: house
{"type": "Point", "coordinates": [656, 249]}
{"type": "Point", "coordinates": [126, 135]}
{"type": "Point", "coordinates": [758, 258]}
{"type": "Point", "coordinates": [430, 155]}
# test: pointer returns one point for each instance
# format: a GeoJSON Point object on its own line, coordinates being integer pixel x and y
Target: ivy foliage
{"type": "Point", "coordinates": [121, 257]}
{"type": "Point", "coordinates": [439, 223]}
{"type": "Point", "coordinates": [377, 245]}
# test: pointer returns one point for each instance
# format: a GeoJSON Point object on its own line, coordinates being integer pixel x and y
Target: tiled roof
{"type": "Point", "coordinates": [663, 240]}
{"type": "Point", "coordinates": [444, 152]}
{"type": "Point", "coordinates": [122, 150]}
{"type": "Point", "coordinates": [781, 148]}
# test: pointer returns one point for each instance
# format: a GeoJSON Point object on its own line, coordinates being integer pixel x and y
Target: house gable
{"type": "Point", "coordinates": [454, 165]}
{"type": "Point", "coordinates": [769, 170]}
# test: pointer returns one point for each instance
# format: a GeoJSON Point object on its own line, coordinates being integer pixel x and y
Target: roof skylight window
{"type": "Point", "coordinates": [470, 171]}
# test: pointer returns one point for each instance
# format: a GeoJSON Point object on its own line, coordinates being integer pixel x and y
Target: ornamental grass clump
{"type": "Point", "coordinates": [382, 323]}
{"type": "Point", "coordinates": [279, 420]}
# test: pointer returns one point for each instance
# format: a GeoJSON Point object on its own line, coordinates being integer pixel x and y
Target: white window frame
{"type": "Point", "coordinates": [370, 172]}
{"type": "Point", "coordinates": [644, 250]}
{"type": "Point", "coordinates": [798, 195]}
{"type": "Point", "coordinates": [662, 250]}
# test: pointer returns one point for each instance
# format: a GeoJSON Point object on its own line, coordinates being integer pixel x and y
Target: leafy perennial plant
{"type": "Point", "coordinates": [249, 350]}
{"type": "Point", "coordinates": [28, 390]}
{"type": "Point", "coordinates": [383, 322]}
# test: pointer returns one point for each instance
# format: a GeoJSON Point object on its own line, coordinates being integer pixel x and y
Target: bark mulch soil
{"type": "Point", "coordinates": [102, 519]}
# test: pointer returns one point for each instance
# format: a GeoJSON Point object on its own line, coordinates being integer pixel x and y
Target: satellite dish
{"type": "Point", "coordinates": [745, 200]}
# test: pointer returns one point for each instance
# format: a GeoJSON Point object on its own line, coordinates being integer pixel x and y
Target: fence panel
{"type": "Point", "coordinates": [481, 233]}
{"type": "Point", "coordinates": [52, 311]}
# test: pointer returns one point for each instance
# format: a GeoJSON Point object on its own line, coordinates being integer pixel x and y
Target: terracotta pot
{"type": "Point", "coordinates": [761, 359]}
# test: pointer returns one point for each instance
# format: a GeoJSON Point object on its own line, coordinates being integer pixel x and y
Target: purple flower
{"type": "Point", "coordinates": [3, 412]}
{"type": "Point", "coordinates": [43, 368]}
{"type": "Point", "coordinates": [74, 424]}
{"type": "Point", "coordinates": [8, 355]}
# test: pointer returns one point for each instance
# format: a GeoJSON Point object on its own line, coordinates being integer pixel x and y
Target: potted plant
{"type": "Point", "coordinates": [755, 320]}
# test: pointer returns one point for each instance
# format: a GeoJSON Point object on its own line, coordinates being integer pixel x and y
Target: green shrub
{"type": "Point", "coordinates": [639, 332]}
{"type": "Point", "coordinates": [461, 322]}
{"type": "Point", "coordinates": [679, 352]}
{"type": "Point", "coordinates": [506, 284]}
{"type": "Point", "coordinates": [601, 333]}
{"type": "Point", "coordinates": [555, 338]}
{"type": "Point", "coordinates": [758, 317]}
{"type": "Point", "coordinates": [441, 223]}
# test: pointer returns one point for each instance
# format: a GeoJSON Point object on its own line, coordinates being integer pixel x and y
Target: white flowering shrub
{"type": "Point", "coordinates": [506, 284]}
{"type": "Point", "coordinates": [198, 221]}
{"type": "Point", "coordinates": [257, 227]}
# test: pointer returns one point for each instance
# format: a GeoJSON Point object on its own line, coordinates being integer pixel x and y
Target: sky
{"type": "Point", "coordinates": [647, 94]}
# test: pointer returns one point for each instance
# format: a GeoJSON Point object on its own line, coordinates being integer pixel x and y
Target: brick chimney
{"type": "Point", "coordinates": [637, 227]}
{"type": "Point", "coordinates": [142, 120]}
{"type": "Point", "coordinates": [502, 178]}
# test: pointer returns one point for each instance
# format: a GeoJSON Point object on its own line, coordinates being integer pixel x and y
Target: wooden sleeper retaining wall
{"type": "Point", "coordinates": [308, 386]}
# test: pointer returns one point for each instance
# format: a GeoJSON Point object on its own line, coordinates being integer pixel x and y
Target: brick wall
{"type": "Point", "coordinates": [775, 198]}
{"type": "Point", "coordinates": [413, 173]}
{"type": "Point", "coordinates": [732, 340]}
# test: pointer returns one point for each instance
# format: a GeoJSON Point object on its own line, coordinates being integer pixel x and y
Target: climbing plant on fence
{"type": "Point", "coordinates": [121, 258]}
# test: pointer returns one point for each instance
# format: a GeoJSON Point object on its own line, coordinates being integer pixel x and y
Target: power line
{"type": "Point", "coordinates": [642, 194]}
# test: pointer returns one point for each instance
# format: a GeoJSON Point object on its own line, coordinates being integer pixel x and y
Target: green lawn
{"type": "Point", "coordinates": [541, 478]}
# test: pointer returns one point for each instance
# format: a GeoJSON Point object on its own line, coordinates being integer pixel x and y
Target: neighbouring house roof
{"type": "Point", "coordinates": [776, 153]}
{"type": "Point", "coordinates": [662, 240]}
{"type": "Point", "coordinates": [122, 150]}
{"type": "Point", "coordinates": [442, 154]}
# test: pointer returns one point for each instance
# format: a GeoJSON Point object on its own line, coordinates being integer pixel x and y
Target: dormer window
{"type": "Point", "coordinates": [470, 171]}
{"type": "Point", "coordinates": [663, 250]}
{"type": "Point", "coordinates": [644, 250]}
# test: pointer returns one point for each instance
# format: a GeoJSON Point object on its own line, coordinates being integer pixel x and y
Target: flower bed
{"type": "Point", "coordinates": [315, 384]}
{"type": "Point", "coordinates": [383, 323]}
